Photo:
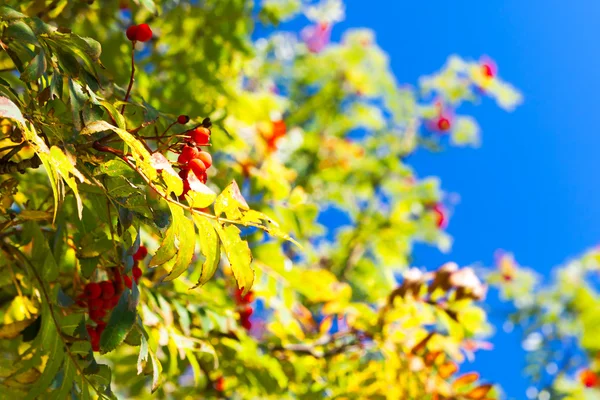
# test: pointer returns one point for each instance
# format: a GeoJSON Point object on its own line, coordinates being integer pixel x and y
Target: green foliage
{"type": "Point", "coordinates": [298, 125]}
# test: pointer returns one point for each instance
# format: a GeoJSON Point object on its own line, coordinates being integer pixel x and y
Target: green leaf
{"type": "Point", "coordinates": [156, 370]}
{"type": "Point", "coordinates": [66, 384]}
{"type": "Point", "coordinates": [210, 246]}
{"type": "Point", "coordinates": [239, 255]}
{"type": "Point", "coordinates": [114, 168]}
{"type": "Point", "coordinates": [120, 322]}
{"type": "Point", "coordinates": [143, 356]}
{"type": "Point", "coordinates": [141, 155]}
{"type": "Point", "coordinates": [186, 235]}
{"type": "Point", "coordinates": [231, 202]}
{"type": "Point", "coordinates": [8, 14]}
{"type": "Point", "coordinates": [150, 6]}
{"type": "Point", "coordinates": [66, 168]}
{"type": "Point", "coordinates": [41, 255]}
{"type": "Point", "coordinates": [49, 343]}
{"type": "Point", "coordinates": [167, 249]}
{"type": "Point", "coordinates": [36, 67]}
{"type": "Point", "coordinates": [21, 32]}
{"type": "Point", "coordinates": [100, 376]}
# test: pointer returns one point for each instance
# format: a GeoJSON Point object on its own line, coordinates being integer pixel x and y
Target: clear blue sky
{"type": "Point", "coordinates": [531, 188]}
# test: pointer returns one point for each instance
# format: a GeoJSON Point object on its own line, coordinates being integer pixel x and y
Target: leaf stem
{"type": "Point", "coordinates": [131, 78]}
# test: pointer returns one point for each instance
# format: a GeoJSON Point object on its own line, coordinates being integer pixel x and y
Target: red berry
{"type": "Point", "coordinates": [96, 343]}
{"type": "Point", "coordinates": [200, 135]}
{"type": "Point", "coordinates": [440, 215]}
{"type": "Point", "coordinates": [137, 273]}
{"type": "Point", "coordinates": [131, 33]}
{"type": "Point", "coordinates": [141, 253]}
{"type": "Point", "coordinates": [95, 304]}
{"type": "Point", "coordinates": [127, 281]}
{"type": "Point", "coordinates": [443, 124]}
{"type": "Point", "coordinates": [246, 324]}
{"type": "Point", "coordinates": [220, 384]}
{"type": "Point", "coordinates": [143, 33]}
{"type": "Point", "coordinates": [91, 332]}
{"type": "Point", "coordinates": [246, 312]}
{"type": "Point", "coordinates": [198, 168]}
{"type": "Point", "coordinates": [279, 129]}
{"type": "Point", "coordinates": [92, 290]}
{"type": "Point", "coordinates": [100, 328]}
{"type": "Point", "coordinates": [108, 289]}
{"type": "Point", "coordinates": [588, 378]}
{"type": "Point", "coordinates": [187, 153]}
{"type": "Point", "coordinates": [97, 315]}
{"type": "Point", "coordinates": [183, 119]}
{"type": "Point", "coordinates": [205, 157]}
{"type": "Point", "coordinates": [487, 70]}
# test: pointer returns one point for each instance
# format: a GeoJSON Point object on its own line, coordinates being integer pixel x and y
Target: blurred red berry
{"type": "Point", "coordinates": [246, 324]}
{"type": "Point", "coordinates": [143, 33]}
{"type": "Point", "coordinates": [487, 70]}
{"type": "Point", "coordinates": [440, 215]}
{"type": "Point", "coordinates": [246, 312]}
{"type": "Point", "coordinates": [220, 384]}
{"type": "Point", "coordinates": [443, 124]}
{"type": "Point", "coordinates": [92, 290]}
{"type": "Point", "coordinates": [131, 32]}
{"type": "Point", "coordinates": [100, 328]}
{"type": "Point", "coordinates": [127, 281]}
{"type": "Point", "coordinates": [279, 129]}
{"type": "Point", "coordinates": [141, 253]}
{"type": "Point", "coordinates": [183, 119]}
{"type": "Point", "coordinates": [205, 157]}
{"type": "Point", "coordinates": [588, 378]}
{"type": "Point", "coordinates": [108, 289]}
{"type": "Point", "coordinates": [137, 273]}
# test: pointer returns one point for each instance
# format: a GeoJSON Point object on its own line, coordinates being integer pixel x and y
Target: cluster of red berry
{"type": "Point", "coordinates": [244, 308]}
{"type": "Point", "coordinates": [191, 158]}
{"type": "Point", "coordinates": [101, 297]}
{"type": "Point", "coordinates": [139, 33]}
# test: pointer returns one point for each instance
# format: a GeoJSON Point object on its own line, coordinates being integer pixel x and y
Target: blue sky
{"type": "Point", "coordinates": [531, 188]}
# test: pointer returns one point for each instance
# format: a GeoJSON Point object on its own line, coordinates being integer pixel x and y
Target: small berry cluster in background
{"type": "Point", "coordinates": [192, 158]}
{"type": "Point", "coordinates": [245, 310]}
{"type": "Point", "coordinates": [100, 298]}
{"type": "Point", "coordinates": [275, 131]}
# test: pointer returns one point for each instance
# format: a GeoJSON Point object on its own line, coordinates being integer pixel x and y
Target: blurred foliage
{"type": "Point", "coordinates": [244, 294]}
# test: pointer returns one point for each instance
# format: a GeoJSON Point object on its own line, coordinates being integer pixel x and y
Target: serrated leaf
{"type": "Point", "coordinates": [172, 178]}
{"type": "Point", "coordinates": [239, 255]}
{"type": "Point", "coordinates": [186, 235]}
{"type": "Point", "coordinates": [141, 155]}
{"type": "Point", "coordinates": [231, 202]}
{"type": "Point", "coordinates": [167, 249]}
{"type": "Point", "coordinates": [121, 320]}
{"type": "Point", "coordinates": [66, 384]}
{"type": "Point", "coordinates": [66, 168]}
{"type": "Point", "coordinates": [156, 370]}
{"type": "Point", "coordinates": [114, 168]}
{"type": "Point", "coordinates": [210, 246]}
{"type": "Point", "coordinates": [143, 356]}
